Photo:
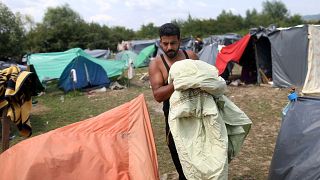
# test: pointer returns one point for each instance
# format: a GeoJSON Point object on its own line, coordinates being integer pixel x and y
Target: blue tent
{"type": "Point", "coordinates": [88, 74]}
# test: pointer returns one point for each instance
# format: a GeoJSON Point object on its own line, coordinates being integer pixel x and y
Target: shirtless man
{"type": "Point", "coordinates": [158, 74]}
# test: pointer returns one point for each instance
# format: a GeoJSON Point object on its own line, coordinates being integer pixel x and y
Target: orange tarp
{"type": "Point", "coordinates": [117, 144]}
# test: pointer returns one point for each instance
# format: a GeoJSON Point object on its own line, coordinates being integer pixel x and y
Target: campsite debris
{"type": "Point", "coordinates": [116, 86]}
{"type": "Point", "coordinates": [266, 85]}
{"type": "Point", "coordinates": [11, 137]}
{"type": "Point", "coordinates": [103, 89]}
{"type": "Point", "coordinates": [293, 96]}
{"type": "Point", "coordinates": [144, 77]}
{"type": "Point", "coordinates": [264, 78]}
{"type": "Point", "coordinates": [34, 102]}
{"type": "Point", "coordinates": [62, 98]}
{"type": "Point", "coordinates": [236, 83]}
{"type": "Point", "coordinates": [170, 176]}
{"type": "Point", "coordinates": [41, 93]}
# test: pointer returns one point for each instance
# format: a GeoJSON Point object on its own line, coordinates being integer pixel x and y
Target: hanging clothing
{"type": "Point", "coordinates": [131, 72]}
{"type": "Point", "coordinates": [16, 89]}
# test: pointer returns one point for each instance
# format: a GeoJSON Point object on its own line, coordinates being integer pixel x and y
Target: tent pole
{"type": "Point", "coordinates": [5, 129]}
{"type": "Point", "coordinates": [257, 63]}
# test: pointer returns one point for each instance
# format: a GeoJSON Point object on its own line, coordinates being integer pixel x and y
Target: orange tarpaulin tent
{"type": "Point", "coordinates": [117, 144]}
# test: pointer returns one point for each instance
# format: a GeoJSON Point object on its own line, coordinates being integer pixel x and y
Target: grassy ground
{"type": "Point", "coordinates": [262, 104]}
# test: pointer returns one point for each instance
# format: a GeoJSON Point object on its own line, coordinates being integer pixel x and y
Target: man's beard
{"type": "Point", "coordinates": [171, 53]}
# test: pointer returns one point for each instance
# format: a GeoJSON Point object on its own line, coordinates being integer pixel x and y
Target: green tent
{"type": "Point", "coordinates": [112, 67]}
{"type": "Point", "coordinates": [143, 58]}
{"type": "Point", "coordinates": [51, 65]}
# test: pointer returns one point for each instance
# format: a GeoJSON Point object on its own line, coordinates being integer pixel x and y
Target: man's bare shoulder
{"type": "Point", "coordinates": [155, 61]}
{"type": "Point", "coordinates": [154, 64]}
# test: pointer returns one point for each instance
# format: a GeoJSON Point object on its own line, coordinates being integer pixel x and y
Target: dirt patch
{"type": "Point", "coordinates": [154, 105]}
{"type": "Point", "coordinates": [39, 108]}
{"type": "Point", "coordinates": [263, 105]}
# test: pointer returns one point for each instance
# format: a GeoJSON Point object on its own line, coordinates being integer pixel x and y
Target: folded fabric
{"type": "Point", "coordinates": [192, 74]}
{"type": "Point", "coordinates": [200, 135]}
{"type": "Point", "coordinates": [208, 129]}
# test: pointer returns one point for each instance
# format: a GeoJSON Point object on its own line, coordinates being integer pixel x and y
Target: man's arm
{"type": "Point", "coordinates": [160, 92]}
{"type": "Point", "coordinates": [192, 55]}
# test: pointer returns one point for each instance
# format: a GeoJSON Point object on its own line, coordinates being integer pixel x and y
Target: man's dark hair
{"type": "Point", "coordinates": [169, 29]}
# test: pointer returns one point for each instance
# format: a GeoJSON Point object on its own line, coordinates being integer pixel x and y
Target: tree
{"type": "Point", "coordinates": [252, 19]}
{"type": "Point", "coordinates": [148, 31]}
{"type": "Point", "coordinates": [97, 37]}
{"type": "Point", "coordinates": [192, 27]}
{"type": "Point", "coordinates": [275, 11]}
{"type": "Point", "coordinates": [196, 27]}
{"type": "Point", "coordinates": [11, 34]}
{"type": "Point", "coordinates": [61, 29]}
{"type": "Point", "coordinates": [228, 22]}
{"type": "Point", "coordinates": [27, 21]}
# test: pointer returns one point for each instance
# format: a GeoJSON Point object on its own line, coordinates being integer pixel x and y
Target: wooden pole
{"type": "Point", "coordinates": [5, 130]}
{"type": "Point", "coordinates": [257, 63]}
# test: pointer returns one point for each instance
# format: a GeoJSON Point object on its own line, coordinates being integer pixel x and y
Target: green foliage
{"type": "Point", "coordinates": [97, 37]}
{"type": "Point", "coordinates": [197, 27]}
{"type": "Point", "coordinates": [275, 10]}
{"type": "Point", "coordinates": [295, 20]}
{"type": "Point", "coordinates": [62, 28]}
{"type": "Point", "coordinates": [11, 33]}
{"type": "Point", "coordinates": [228, 22]}
{"type": "Point", "coordinates": [149, 31]}
{"type": "Point", "coordinates": [252, 18]}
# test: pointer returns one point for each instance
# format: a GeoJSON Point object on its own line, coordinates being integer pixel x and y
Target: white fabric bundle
{"type": "Point", "coordinates": [198, 125]}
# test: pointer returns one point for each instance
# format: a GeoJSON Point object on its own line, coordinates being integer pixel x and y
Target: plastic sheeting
{"type": "Point", "coordinates": [98, 53]}
{"type": "Point", "coordinates": [117, 144]}
{"type": "Point", "coordinates": [296, 154]}
{"type": "Point", "coordinates": [289, 48]}
{"type": "Point", "coordinates": [138, 45]}
{"type": "Point", "coordinates": [232, 52]}
{"type": "Point", "coordinates": [225, 39]}
{"type": "Point", "coordinates": [209, 53]}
